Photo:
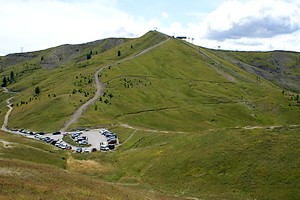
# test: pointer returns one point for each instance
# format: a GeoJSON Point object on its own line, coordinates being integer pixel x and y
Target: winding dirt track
{"type": "Point", "coordinates": [99, 87]}
{"type": "Point", "coordinates": [5, 123]}
{"type": "Point", "coordinates": [8, 103]}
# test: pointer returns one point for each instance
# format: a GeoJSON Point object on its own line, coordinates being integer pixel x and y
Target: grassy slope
{"type": "Point", "coordinates": [191, 95]}
{"type": "Point", "coordinates": [219, 164]}
{"type": "Point", "coordinates": [32, 170]}
{"type": "Point", "coordinates": [53, 106]}
{"type": "Point", "coordinates": [186, 93]}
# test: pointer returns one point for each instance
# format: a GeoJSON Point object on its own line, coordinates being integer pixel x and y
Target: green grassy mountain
{"type": "Point", "coordinates": [192, 122]}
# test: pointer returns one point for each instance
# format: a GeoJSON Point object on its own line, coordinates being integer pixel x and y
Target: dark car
{"type": "Point", "coordinates": [94, 149]}
{"type": "Point", "coordinates": [53, 142]}
{"type": "Point", "coordinates": [111, 137]}
{"type": "Point", "coordinates": [50, 141]}
{"type": "Point", "coordinates": [40, 133]}
{"type": "Point", "coordinates": [56, 133]}
{"type": "Point", "coordinates": [112, 141]}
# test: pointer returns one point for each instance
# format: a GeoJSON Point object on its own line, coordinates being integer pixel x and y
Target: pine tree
{"type": "Point", "coordinates": [12, 76]}
{"type": "Point", "coordinates": [4, 83]}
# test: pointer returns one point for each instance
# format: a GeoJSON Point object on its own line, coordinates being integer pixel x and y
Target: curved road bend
{"type": "Point", "coordinates": [99, 87]}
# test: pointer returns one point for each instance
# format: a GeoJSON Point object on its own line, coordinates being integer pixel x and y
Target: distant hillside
{"type": "Point", "coordinates": [280, 67]}
{"type": "Point", "coordinates": [61, 55]}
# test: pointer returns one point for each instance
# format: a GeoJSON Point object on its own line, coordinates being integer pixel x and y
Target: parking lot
{"type": "Point", "coordinates": [94, 138]}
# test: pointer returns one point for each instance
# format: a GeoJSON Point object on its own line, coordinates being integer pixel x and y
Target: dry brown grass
{"type": "Point", "coordinates": [26, 180]}
{"type": "Point", "coordinates": [87, 166]}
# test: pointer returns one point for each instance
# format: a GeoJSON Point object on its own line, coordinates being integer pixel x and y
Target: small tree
{"type": "Point", "coordinates": [119, 53]}
{"type": "Point", "coordinates": [4, 82]}
{"type": "Point", "coordinates": [37, 90]}
{"type": "Point", "coordinates": [88, 56]}
{"type": "Point", "coordinates": [12, 76]}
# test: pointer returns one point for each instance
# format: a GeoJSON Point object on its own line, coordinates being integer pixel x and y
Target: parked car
{"type": "Point", "coordinates": [53, 142]}
{"type": "Point", "coordinates": [49, 140]}
{"type": "Point", "coordinates": [78, 139]}
{"type": "Point", "coordinates": [82, 142]}
{"type": "Point", "coordinates": [111, 141]}
{"type": "Point", "coordinates": [62, 146]}
{"type": "Point", "coordinates": [56, 133]}
{"type": "Point", "coordinates": [78, 150]}
{"type": "Point", "coordinates": [58, 143]}
{"type": "Point", "coordinates": [104, 148]}
{"type": "Point", "coordinates": [86, 151]}
{"type": "Point", "coordinates": [46, 139]}
{"type": "Point", "coordinates": [94, 149]}
{"type": "Point", "coordinates": [37, 137]}
{"type": "Point", "coordinates": [74, 135]}
{"type": "Point", "coordinates": [40, 133]}
{"type": "Point", "coordinates": [101, 131]}
{"type": "Point", "coordinates": [68, 147]}
{"type": "Point", "coordinates": [111, 137]}
{"type": "Point", "coordinates": [111, 146]}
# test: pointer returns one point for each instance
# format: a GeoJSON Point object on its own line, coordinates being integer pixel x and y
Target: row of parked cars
{"type": "Point", "coordinates": [109, 144]}
{"type": "Point", "coordinates": [58, 143]}
{"type": "Point", "coordinates": [111, 140]}
{"type": "Point", "coordinates": [26, 132]}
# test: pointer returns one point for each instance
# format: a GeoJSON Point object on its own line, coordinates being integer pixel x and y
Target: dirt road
{"type": "Point", "coordinates": [5, 123]}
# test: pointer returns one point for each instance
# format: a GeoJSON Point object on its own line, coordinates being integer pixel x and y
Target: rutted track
{"type": "Point", "coordinates": [5, 123]}
{"type": "Point", "coordinates": [99, 87]}
{"type": "Point", "coordinates": [9, 105]}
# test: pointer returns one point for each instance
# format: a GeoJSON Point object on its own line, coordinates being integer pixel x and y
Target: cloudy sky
{"type": "Point", "coordinates": [231, 24]}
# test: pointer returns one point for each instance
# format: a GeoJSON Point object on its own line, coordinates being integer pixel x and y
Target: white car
{"type": "Point", "coordinates": [104, 148]}
{"type": "Point", "coordinates": [82, 142]}
{"type": "Point", "coordinates": [63, 146]}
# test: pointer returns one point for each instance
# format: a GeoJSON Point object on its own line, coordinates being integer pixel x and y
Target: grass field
{"type": "Point", "coordinates": [216, 164]}
{"type": "Point", "coordinates": [32, 170]}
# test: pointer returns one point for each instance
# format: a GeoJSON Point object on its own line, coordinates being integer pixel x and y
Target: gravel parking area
{"type": "Point", "coordinates": [93, 137]}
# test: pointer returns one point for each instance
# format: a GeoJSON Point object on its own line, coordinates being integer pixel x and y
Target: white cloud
{"type": "Point", "coordinates": [251, 25]}
{"type": "Point", "coordinates": [241, 25]}
{"type": "Point", "coordinates": [165, 15]}
{"type": "Point", "coordinates": [253, 19]}
{"type": "Point", "coordinates": [34, 24]}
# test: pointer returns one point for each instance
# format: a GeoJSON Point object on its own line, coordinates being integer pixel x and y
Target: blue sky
{"type": "Point", "coordinates": [179, 10]}
{"type": "Point", "coordinates": [231, 24]}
